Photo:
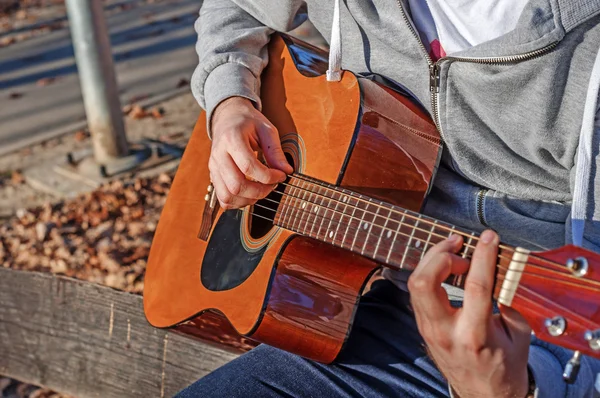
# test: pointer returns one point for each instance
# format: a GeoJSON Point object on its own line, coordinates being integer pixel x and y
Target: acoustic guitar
{"type": "Point", "coordinates": [289, 271]}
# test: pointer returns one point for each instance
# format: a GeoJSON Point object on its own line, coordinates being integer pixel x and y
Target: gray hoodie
{"type": "Point", "coordinates": [517, 114]}
{"type": "Point", "coordinates": [539, 75]}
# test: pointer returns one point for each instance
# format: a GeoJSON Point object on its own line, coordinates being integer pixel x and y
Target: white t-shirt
{"type": "Point", "coordinates": [448, 26]}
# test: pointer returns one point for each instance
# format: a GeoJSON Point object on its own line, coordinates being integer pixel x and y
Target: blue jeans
{"type": "Point", "coordinates": [384, 356]}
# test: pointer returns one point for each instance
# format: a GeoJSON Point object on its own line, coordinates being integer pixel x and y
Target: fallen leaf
{"type": "Point", "coordinates": [81, 135]}
{"type": "Point", "coordinates": [17, 177]}
{"type": "Point", "coordinates": [137, 112]}
{"type": "Point", "coordinates": [183, 83]}
{"type": "Point", "coordinates": [7, 41]}
{"type": "Point", "coordinates": [157, 113]}
{"type": "Point", "coordinates": [21, 14]}
{"type": "Point", "coordinates": [46, 81]}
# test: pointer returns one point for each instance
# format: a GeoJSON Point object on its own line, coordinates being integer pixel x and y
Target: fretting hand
{"type": "Point", "coordinates": [480, 354]}
{"type": "Point", "coordinates": [239, 178]}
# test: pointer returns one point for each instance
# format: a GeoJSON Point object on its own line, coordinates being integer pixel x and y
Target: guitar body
{"type": "Point", "coordinates": [273, 285]}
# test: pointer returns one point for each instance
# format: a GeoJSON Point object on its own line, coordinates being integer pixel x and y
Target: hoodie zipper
{"type": "Point", "coordinates": [434, 67]}
{"type": "Point", "coordinates": [479, 202]}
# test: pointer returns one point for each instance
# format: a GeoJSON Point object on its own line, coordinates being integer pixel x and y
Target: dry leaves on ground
{"type": "Point", "coordinates": [102, 237]}
{"type": "Point", "coordinates": [137, 112]}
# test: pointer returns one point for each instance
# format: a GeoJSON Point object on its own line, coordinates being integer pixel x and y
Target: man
{"type": "Point", "coordinates": [515, 101]}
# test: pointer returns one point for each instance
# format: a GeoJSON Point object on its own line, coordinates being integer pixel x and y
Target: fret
{"type": "Point", "coordinates": [307, 208]}
{"type": "Point", "coordinates": [292, 203]}
{"type": "Point", "coordinates": [316, 209]}
{"type": "Point", "coordinates": [350, 219]}
{"type": "Point", "coordinates": [324, 217]}
{"type": "Point", "coordinates": [370, 227]}
{"type": "Point", "coordinates": [303, 206]}
{"type": "Point", "coordinates": [385, 231]}
{"type": "Point", "coordinates": [343, 199]}
{"type": "Point", "coordinates": [284, 206]}
{"type": "Point", "coordinates": [458, 280]}
{"type": "Point", "coordinates": [451, 230]}
{"type": "Point", "coordinates": [330, 234]}
{"type": "Point", "coordinates": [412, 234]}
{"type": "Point", "coordinates": [428, 239]}
{"type": "Point", "coordinates": [467, 245]}
{"type": "Point", "coordinates": [358, 227]}
{"type": "Point", "coordinates": [387, 259]}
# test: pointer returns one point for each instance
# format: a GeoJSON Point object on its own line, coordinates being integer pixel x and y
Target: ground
{"type": "Point", "coordinates": [176, 124]}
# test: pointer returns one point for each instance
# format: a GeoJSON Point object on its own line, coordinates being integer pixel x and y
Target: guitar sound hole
{"type": "Point", "coordinates": [264, 211]}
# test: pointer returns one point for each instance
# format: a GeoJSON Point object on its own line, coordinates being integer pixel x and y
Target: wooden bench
{"type": "Point", "coordinates": [88, 340]}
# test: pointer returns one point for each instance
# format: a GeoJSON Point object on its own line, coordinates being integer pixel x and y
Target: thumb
{"type": "Point", "coordinates": [268, 138]}
{"type": "Point", "coordinates": [519, 330]}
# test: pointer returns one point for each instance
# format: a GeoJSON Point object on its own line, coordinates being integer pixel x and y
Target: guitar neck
{"type": "Point", "coordinates": [395, 237]}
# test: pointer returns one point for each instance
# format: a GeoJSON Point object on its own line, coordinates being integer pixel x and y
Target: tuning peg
{"type": "Point", "coordinates": [572, 368]}
{"type": "Point", "coordinates": [593, 339]}
{"type": "Point", "coordinates": [578, 266]}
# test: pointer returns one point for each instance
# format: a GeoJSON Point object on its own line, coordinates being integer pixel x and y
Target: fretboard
{"type": "Point", "coordinates": [395, 237]}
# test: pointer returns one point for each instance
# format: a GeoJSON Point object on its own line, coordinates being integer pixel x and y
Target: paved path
{"type": "Point", "coordinates": [153, 47]}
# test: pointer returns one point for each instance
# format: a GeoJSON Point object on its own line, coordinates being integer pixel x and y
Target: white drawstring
{"type": "Point", "coordinates": [334, 73]}
{"type": "Point", "coordinates": [584, 157]}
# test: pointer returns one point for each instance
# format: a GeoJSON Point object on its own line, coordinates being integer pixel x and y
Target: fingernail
{"type": "Point", "coordinates": [454, 238]}
{"type": "Point", "coordinates": [488, 236]}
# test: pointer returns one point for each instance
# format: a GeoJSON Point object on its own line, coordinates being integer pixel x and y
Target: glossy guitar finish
{"type": "Point", "coordinates": [291, 274]}
{"type": "Point", "coordinates": [291, 291]}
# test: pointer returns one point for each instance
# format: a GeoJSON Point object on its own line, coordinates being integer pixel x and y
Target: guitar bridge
{"type": "Point", "coordinates": [211, 208]}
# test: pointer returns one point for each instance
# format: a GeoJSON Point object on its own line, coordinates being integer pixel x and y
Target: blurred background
{"type": "Point", "coordinates": [55, 216]}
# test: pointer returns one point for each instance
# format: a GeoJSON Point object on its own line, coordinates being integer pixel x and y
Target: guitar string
{"type": "Point", "coordinates": [392, 208]}
{"type": "Point", "coordinates": [404, 212]}
{"type": "Point", "coordinates": [501, 277]}
{"type": "Point", "coordinates": [500, 256]}
{"type": "Point", "coordinates": [561, 267]}
{"type": "Point", "coordinates": [400, 224]}
{"type": "Point", "coordinates": [551, 271]}
{"type": "Point", "coordinates": [409, 255]}
{"type": "Point", "coordinates": [582, 319]}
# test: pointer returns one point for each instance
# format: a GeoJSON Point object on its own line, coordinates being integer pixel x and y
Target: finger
{"type": "Point", "coordinates": [226, 199]}
{"type": "Point", "coordinates": [238, 184]}
{"type": "Point", "coordinates": [250, 166]}
{"type": "Point", "coordinates": [428, 297]}
{"type": "Point", "coordinates": [270, 144]}
{"type": "Point", "coordinates": [450, 245]}
{"type": "Point", "coordinates": [479, 283]}
{"type": "Point", "coordinates": [517, 328]}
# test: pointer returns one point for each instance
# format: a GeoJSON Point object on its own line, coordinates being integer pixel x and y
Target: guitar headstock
{"type": "Point", "coordinates": [559, 295]}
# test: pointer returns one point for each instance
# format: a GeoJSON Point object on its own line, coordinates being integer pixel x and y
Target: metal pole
{"type": "Point", "coordinates": [97, 76]}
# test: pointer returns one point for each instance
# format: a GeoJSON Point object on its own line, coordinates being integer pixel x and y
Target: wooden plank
{"type": "Point", "coordinates": [88, 340]}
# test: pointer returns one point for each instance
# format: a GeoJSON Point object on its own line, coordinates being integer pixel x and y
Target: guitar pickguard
{"type": "Point", "coordinates": [227, 263]}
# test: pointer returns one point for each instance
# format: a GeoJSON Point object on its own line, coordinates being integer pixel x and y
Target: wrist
{"type": "Point", "coordinates": [236, 102]}
{"type": "Point", "coordinates": [529, 394]}
{"type": "Point", "coordinates": [232, 101]}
